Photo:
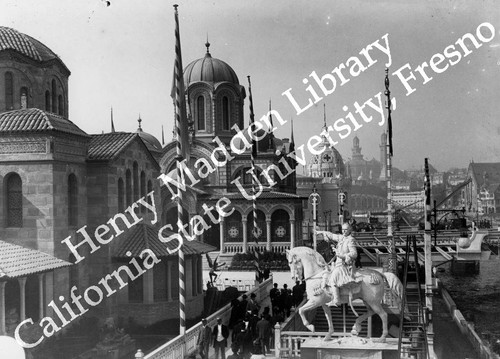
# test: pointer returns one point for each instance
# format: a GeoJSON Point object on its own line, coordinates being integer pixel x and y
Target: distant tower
{"type": "Point", "coordinates": [356, 150]}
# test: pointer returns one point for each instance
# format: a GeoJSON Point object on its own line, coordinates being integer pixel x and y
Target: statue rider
{"type": "Point", "coordinates": [341, 269]}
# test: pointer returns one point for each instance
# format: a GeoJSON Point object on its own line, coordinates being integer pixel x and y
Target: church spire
{"type": "Point", "coordinates": [112, 123]}
{"type": "Point", "coordinates": [139, 120]}
{"type": "Point", "coordinates": [207, 45]}
{"type": "Point", "coordinates": [271, 134]}
{"type": "Point", "coordinates": [324, 115]}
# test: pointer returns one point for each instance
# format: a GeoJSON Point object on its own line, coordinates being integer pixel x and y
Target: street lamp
{"type": "Point", "coordinates": [342, 198]}
{"type": "Point", "coordinates": [314, 199]}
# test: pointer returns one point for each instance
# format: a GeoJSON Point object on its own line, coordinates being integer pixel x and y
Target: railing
{"type": "Point", "coordinates": [237, 247]}
{"type": "Point", "coordinates": [180, 346]}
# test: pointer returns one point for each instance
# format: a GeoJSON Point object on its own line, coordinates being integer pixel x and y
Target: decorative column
{"type": "Point", "coordinates": [169, 281]}
{"type": "Point", "coordinates": [292, 233]}
{"type": "Point", "coordinates": [2, 308]}
{"type": "Point", "coordinates": [221, 234]}
{"type": "Point", "coordinates": [41, 277]}
{"type": "Point", "coordinates": [268, 232]}
{"type": "Point", "coordinates": [22, 298]}
{"type": "Point", "coordinates": [245, 236]}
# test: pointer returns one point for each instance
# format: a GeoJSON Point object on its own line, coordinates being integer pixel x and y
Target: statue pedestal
{"type": "Point", "coordinates": [349, 348]}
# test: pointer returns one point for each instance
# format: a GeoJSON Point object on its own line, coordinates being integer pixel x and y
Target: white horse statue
{"type": "Point", "coordinates": [310, 265]}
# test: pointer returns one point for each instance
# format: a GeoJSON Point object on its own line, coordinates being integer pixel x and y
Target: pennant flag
{"type": "Point", "coordinates": [389, 120]}
{"type": "Point", "coordinates": [252, 116]}
{"type": "Point", "coordinates": [255, 230]}
{"type": "Point", "coordinates": [178, 95]}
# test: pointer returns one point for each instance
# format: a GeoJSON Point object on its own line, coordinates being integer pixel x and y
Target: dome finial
{"type": "Point", "coordinates": [207, 44]}
{"type": "Point", "coordinates": [139, 120]}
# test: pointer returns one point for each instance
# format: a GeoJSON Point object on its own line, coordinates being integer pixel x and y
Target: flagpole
{"type": "Point", "coordinates": [254, 174]}
{"type": "Point", "coordinates": [178, 125]}
{"type": "Point", "coordinates": [392, 265]}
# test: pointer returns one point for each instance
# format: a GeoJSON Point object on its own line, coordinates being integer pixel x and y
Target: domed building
{"type": "Point", "coordinates": [33, 75]}
{"type": "Point", "coordinates": [61, 186]}
{"type": "Point", "coordinates": [215, 105]}
{"type": "Point", "coordinates": [329, 165]}
{"type": "Point", "coordinates": [151, 142]}
{"type": "Point", "coordinates": [215, 98]}
{"type": "Point", "coordinates": [327, 175]}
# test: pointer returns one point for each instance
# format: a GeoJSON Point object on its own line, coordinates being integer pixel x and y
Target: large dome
{"type": "Point", "coordinates": [209, 69]}
{"type": "Point", "coordinates": [11, 39]}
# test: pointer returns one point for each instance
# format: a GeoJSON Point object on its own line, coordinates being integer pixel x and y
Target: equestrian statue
{"type": "Point", "coordinates": [341, 283]}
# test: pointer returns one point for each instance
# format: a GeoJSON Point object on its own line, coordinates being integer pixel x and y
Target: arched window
{"type": "Point", "coordinates": [143, 184]}
{"type": "Point", "coordinates": [72, 201]}
{"type": "Point", "coordinates": [150, 189]}
{"type": "Point", "coordinates": [135, 173]}
{"type": "Point", "coordinates": [143, 189]}
{"type": "Point", "coordinates": [121, 195]}
{"type": "Point", "coordinates": [200, 110]}
{"type": "Point", "coordinates": [54, 97]}
{"type": "Point", "coordinates": [24, 98]}
{"type": "Point", "coordinates": [128, 185]}
{"type": "Point", "coordinates": [60, 106]}
{"type": "Point", "coordinates": [9, 91]}
{"type": "Point", "coordinates": [226, 111]}
{"type": "Point", "coordinates": [14, 196]}
{"type": "Point", "coordinates": [47, 100]}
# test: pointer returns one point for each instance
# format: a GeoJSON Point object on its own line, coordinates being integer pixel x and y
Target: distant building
{"type": "Point", "coordinates": [410, 201]}
{"type": "Point", "coordinates": [482, 194]}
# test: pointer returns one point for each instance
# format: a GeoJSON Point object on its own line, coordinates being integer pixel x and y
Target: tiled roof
{"type": "Point", "coordinates": [36, 120]}
{"type": "Point", "coordinates": [143, 236]}
{"type": "Point", "coordinates": [11, 39]}
{"type": "Point", "coordinates": [108, 145]}
{"type": "Point", "coordinates": [17, 261]}
{"type": "Point", "coordinates": [263, 195]}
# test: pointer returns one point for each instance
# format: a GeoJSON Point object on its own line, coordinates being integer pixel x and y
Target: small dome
{"type": "Point", "coordinates": [209, 69]}
{"type": "Point", "coordinates": [11, 39]}
{"type": "Point", "coordinates": [149, 140]}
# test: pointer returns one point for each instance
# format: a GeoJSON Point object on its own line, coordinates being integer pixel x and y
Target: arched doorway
{"type": "Point", "coordinates": [234, 228]}
{"type": "Point", "coordinates": [280, 226]}
{"type": "Point", "coordinates": [261, 234]}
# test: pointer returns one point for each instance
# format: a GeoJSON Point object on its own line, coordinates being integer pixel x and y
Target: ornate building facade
{"type": "Point", "coordinates": [215, 101]}
{"type": "Point", "coordinates": [64, 192]}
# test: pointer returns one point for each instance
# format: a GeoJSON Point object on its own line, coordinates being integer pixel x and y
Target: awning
{"type": "Point", "coordinates": [17, 261]}
{"type": "Point", "coordinates": [143, 236]}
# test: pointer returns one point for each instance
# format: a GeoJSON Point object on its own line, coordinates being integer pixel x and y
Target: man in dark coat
{"type": "Point", "coordinates": [298, 294]}
{"type": "Point", "coordinates": [220, 334]}
{"type": "Point", "coordinates": [286, 300]}
{"type": "Point", "coordinates": [204, 337]}
{"type": "Point", "coordinates": [244, 342]}
{"type": "Point", "coordinates": [263, 328]}
{"type": "Point", "coordinates": [252, 323]}
{"type": "Point", "coordinates": [274, 294]}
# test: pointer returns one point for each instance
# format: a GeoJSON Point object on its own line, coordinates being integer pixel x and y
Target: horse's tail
{"type": "Point", "coordinates": [397, 288]}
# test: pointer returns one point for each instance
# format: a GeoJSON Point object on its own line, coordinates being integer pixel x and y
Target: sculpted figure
{"type": "Point", "coordinates": [340, 272]}
{"type": "Point", "coordinates": [369, 286]}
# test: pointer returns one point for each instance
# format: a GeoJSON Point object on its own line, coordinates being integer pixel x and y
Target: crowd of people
{"type": "Point", "coordinates": [250, 328]}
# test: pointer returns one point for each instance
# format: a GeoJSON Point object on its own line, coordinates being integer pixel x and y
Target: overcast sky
{"type": "Point", "coordinates": [122, 55]}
